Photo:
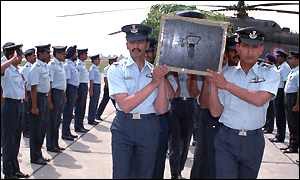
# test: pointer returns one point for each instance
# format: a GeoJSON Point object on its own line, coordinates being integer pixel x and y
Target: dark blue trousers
{"type": "Point", "coordinates": [162, 148]}
{"type": "Point", "coordinates": [238, 156]}
{"type": "Point", "coordinates": [204, 156]}
{"type": "Point", "coordinates": [104, 102]}
{"type": "Point", "coordinates": [38, 127]}
{"type": "Point", "coordinates": [269, 126]}
{"type": "Point", "coordinates": [71, 94]}
{"type": "Point", "coordinates": [26, 114]}
{"type": "Point", "coordinates": [292, 119]}
{"type": "Point", "coordinates": [80, 105]}
{"type": "Point", "coordinates": [181, 129]}
{"type": "Point", "coordinates": [11, 132]}
{"type": "Point", "coordinates": [94, 102]}
{"type": "Point", "coordinates": [55, 118]}
{"type": "Point", "coordinates": [280, 115]}
{"type": "Point", "coordinates": [134, 144]}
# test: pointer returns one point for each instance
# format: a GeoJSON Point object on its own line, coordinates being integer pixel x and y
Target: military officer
{"type": "Point", "coordinates": [182, 115]}
{"type": "Point", "coordinates": [14, 94]}
{"type": "Point", "coordinates": [240, 97]}
{"type": "Point", "coordinates": [291, 92]}
{"type": "Point", "coordinates": [72, 78]}
{"type": "Point", "coordinates": [105, 97]}
{"type": "Point", "coordinates": [39, 78]}
{"type": "Point", "coordinates": [30, 59]}
{"type": "Point", "coordinates": [94, 89]}
{"type": "Point", "coordinates": [139, 91]}
{"type": "Point", "coordinates": [284, 69]}
{"type": "Point", "coordinates": [82, 91]}
{"type": "Point", "coordinates": [151, 50]}
{"type": "Point", "coordinates": [57, 97]}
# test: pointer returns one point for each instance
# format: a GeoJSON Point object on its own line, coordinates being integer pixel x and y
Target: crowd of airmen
{"type": "Point", "coordinates": [157, 111]}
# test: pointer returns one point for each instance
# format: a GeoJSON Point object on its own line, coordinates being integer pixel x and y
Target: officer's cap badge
{"type": "Point", "coordinates": [133, 29]}
{"type": "Point", "coordinates": [253, 35]}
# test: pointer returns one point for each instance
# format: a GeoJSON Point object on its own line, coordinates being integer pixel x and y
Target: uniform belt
{"type": "Point", "coordinates": [42, 94]}
{"type": "Point", "coordinates": [136, 115]}
{"type": "Point", "coordinates": [184, 98]}
{"type": "Point", "coordinates": [164, 114]}
{"type": "Point", "coordinates": [14, 100]}
{"type": "Point", "coordinates": [241, 132]}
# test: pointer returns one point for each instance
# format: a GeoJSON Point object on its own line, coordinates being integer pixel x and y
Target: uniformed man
{"type": "Point", "coordinates": [30, 57]}
{"type": "Point", "coordinates": [14, 94]}
{"type": "Point", "coordinates": [105, 97]}
{"type": "Point", "coordinates": [182, 115]}
{"type": "Point", "coordinates": [72, 77]}
{"type": "Point", "coordinates": [291, 92]}
{"type": "Point", "coordinates": [231, 57]}
{"type": "Point", "coordinates": [140, 94]}
{"type": "Point", "coordinates": [151, 50]}
{"type": "Point", "coordinates": [269, 126]}
{"type": "Point", "coordinates": [57, 97]}
{"type": "Point", "coordinates": [39, 78]}
{"type": "Point", "coordinates": [241, 96]}
{"type": "Point", "coordinates": [82, 91]}
{"type": "Point", "coordinates": [284, 69]}
{"type": "Point", "coordinates": [94, 89]}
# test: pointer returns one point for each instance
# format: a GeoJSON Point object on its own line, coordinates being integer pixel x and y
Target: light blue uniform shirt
{"type": "Point", "coordinates": [183, 85]}
{"type": "Point", "coordinates": [292, 83]}
{"type": "Point", "coordinates": [40, 75]}
{"type": "Point", "coordinates": [125, 77]}
{"type": "Point", "coordinates": [239, 114]}
{"type": "Point", "coordinates": [13, 84]}
{"type": "Point", "coordinates": [72, 74]}
{"type": "Point", "coordinates": [83, 72]}
{"type": "Point", "coordinates": [25, 72]}
{"type": "Point", "coordinates": [284, 70]}
{"type": "Point", "coordinates": [94, 74]}
{"type": "Point", "coordinates": [57, 74]}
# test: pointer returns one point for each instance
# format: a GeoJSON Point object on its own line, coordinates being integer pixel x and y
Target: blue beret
{"type": "Point", "coordinates": [270, 57]}
{"type": "Point", "coordinates": [29, 52]}
{"type": "Point", "coordinates": [136, 32]}
{"type": "Point", "coordinates": [11, 46]}
{"type": "Point", "coordinates": [59, 49]}
{"type": "Point", "coordinates": [71, 51]}
{"type": "Point", "coordinates": [250, 35]}
{"type": "Point", "coordinates": [43, 48]}
{"type": "Point", "coordinates": [95, 57]}
{"type": "Point", "coordinates": [191, 14]}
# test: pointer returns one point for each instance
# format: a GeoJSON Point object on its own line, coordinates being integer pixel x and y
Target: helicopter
{"type": "Point", "coordinates": [275, 36]}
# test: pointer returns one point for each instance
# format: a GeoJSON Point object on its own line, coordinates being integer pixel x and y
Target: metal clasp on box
{"type": "Point", "coordinates": [136, 116]}
{"type": "Point", "coordinates": [243, 132]}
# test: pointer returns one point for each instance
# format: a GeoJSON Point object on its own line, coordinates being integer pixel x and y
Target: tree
{"type": "Point", "coordinates": [156, 11]}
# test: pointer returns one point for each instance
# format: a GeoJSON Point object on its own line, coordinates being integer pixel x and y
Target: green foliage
{"type": "Point", "coordinates": [156, 11]}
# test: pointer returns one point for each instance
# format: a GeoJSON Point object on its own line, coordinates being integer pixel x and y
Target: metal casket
{"type": "Point", "coordinates": [191, 45]}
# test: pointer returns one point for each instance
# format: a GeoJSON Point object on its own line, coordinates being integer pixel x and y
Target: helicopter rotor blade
{"type": "Point", "coordinates": [277, 10]}
{"type": "Point", "coordinates": [223, 10]}
{"type": "Point", "coordinates": [272, 4]}
{"type": "Point", "coordinates": [215, 6]}
{"type": "Point", "coordinates": [114, 33]}
{"type": "Point", "coordinates": [99, 12]}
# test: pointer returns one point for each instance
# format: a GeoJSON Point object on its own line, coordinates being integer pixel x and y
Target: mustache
{"type": "Point", "coordinates": [136, 49]}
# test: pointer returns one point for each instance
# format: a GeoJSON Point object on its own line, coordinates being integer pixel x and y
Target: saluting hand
{"type": "Point", "coordinates": [217, 79]}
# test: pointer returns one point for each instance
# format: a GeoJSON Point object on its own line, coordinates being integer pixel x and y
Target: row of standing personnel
{"type": "Point", "coordinates": [36, 97]}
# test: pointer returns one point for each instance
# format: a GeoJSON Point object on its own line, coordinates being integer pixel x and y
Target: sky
{"type": "Point", "coordinates": [35, 22]}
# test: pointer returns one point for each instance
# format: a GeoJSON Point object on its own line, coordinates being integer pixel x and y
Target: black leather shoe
{"type": "Point", "coordinates": [82, 130]}
{"type": "Point", "coordinates": [46, 159]}
{"type": "Point", "coordinates": [39, 161]}
{"type": "Point", "coordinates": [21, 175]}
{"type": "Point", "coordinates": [277, 140]}
{"type": "Point", "coordinates": [73, 136]}
{"type": "Point", "coordinates": [56, 150]}
{"type": "Point", "coordinates": [61, 148]}
{"type": "Point", "coordinates": [10, 177]}
{"type": "Point", "coordinates": [284, 148]}
{"type": "Point", "coordinates": [69, 138]}
{"type": "Point", "coordinates": [93, 123]}
{"type": "Point", "coordinates": [290, 150]}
